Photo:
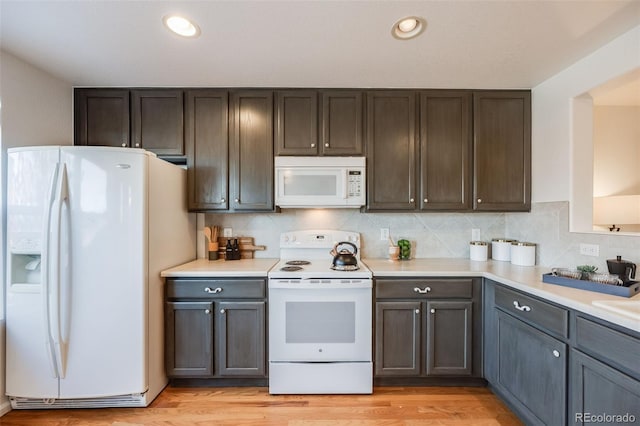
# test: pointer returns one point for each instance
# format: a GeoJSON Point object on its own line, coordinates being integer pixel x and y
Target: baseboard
{"type": "Point", "coordinates": [5, 406]}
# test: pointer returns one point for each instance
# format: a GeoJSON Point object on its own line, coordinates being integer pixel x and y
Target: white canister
{"type": "Point", "coordinates": [523, 254]}
{"type": "Point", "coordinates": [478, 250]}
{"type": "Point", "coordinates": [501, 249]}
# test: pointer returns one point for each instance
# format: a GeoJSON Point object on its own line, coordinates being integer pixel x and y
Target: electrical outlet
{"type": "Point", "coordinates": [475, 234]}
{"type": "Point", "coordinates": [590, 250]}
{"type": "Point", "coordinates": [384, 234]}
{"type": "Point", "coordinates": [227, 232]}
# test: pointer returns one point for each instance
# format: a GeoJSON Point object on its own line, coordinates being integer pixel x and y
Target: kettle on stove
{"type": "Point", "coordinates": [344, 260]}
{"type": "Point", "coordinates": [624, 269]}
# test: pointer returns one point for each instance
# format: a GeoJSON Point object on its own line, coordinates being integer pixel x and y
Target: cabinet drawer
{"type": "Point", "coordinates": [534, 311]}
{"type": "Point", "coordinates": [216, 289]}
{"type": "Point", "coordinates": [608, 344]}
{"type": "Point", "coordinates": [432, 289]}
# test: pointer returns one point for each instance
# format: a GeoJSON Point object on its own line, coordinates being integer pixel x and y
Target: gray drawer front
{"type": "Point", "coordinates": [431, 289]}
{"type": "Point", "coordinates": [534, 311]}
{"type": "Point", "coordinates": [216, 289]}
{"type": "Point", "coordinates": [608, 344]}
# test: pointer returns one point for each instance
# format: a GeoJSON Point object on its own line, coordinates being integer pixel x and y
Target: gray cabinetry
{"type": "Point", "coordinates": [445, 150]}
{"type": "Point", "coordinates": [251, 153]}
{"type": "Point", "coordinates": [215, 328]}
{"type": "Point", "coordinates": [532, 370]}
{"type": "Point", "coordinates": [526, 354]}
{"type": "Point", "coordinates": [341, 122]}
{"type": "Point", "coordinates": [207, 149]}
{"type": "Point", "coordinates": [425, 328]}
{"type": "Point", "coordinates": [391, 148]}
{"type": "Point", "coordinates": [297, 122]}
{"type": "Point", "coordinates": [502, 150]}
{"type": "Point", "coordinates": [142, 118]}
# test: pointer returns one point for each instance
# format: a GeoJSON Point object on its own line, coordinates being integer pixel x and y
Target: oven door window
{"type": "Point", "coordinates": [320, 324]}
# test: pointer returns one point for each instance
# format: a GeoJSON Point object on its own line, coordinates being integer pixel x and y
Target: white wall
{"type": "Point", "coordinates": [551, 130]}
{"type": "Point", "coordinates": [35, 110]}
{"type": "Point", "coordinates": [616, 150]}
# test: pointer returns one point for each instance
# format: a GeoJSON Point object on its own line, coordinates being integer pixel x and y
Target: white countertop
{"type": "Point", "coordinates": [618, 310]}
{"type": "Point", "coordinates": [202, 268]}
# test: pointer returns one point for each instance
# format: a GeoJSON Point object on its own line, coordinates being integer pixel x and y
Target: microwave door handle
{"type": "Point", "coordinates": [345, 183]}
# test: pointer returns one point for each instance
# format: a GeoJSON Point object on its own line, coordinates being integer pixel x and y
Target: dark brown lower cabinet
{"type": "Point", "coordinates": [428, 328]}
{"type": "Point", "coordinates": [215, 328]}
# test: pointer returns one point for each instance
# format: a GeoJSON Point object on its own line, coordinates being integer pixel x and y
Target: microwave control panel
{"type": "Point", "coordinates": [355, 184]}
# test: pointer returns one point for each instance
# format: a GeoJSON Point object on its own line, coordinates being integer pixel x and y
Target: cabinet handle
{"type": "Point", "coordinates": [411, 200]}
{"type": "Point", "coordinates": [417, 311]}
{"type": "Point", "coordinates": [422, 291]}
{"type": "Point", "coordinates": [433, 311]}
{"type": "Point", "coordinates": [237, 200]}
{"type": "Point", "coordinates": [124, 144]}
{"type": "Point", "coordinates": [326, 145]}
{"type": "Point", "coordinates": [138, 145]}
{"type": "Point", "coordinates": [214, 291]}
{"type": "Point", "coordinates": [222, 200]}
{"type": "Point", "coordinates": [479, 200]}
{"type": "Point", "coordinates": [556, 353]}
{"type": "Point", "coordinates": [426, 200]}
{"type": "Point", "coordinates": [222, 311]}
{"type": "Point", "coordinates": [207, 311]}
{"type": "Point", "coordinates": [523, 308]}
{"type": "Point", "coordinates": [313, 145]}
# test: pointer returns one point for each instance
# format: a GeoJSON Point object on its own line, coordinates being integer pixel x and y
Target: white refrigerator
{"type": "Point", "coordinates": [88, 231]}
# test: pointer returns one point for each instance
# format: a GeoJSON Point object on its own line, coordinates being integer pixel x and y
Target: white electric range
{"type": "Point", "coordinates": [319, 318]}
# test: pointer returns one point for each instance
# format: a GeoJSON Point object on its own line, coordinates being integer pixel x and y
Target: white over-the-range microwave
{"type": "Point", "coordinates": [320, 182]}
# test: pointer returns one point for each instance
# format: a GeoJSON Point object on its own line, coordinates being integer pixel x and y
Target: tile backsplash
{"type": "Point", "coordinates": [440, 234]}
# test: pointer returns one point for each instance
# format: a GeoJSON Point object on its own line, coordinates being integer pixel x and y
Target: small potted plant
{"type": "Point", "coordinates": [586, 271]}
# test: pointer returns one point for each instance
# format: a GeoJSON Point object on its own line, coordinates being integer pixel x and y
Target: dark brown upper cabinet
{"type": "Point", "coordinates": [502, 150]}
{"type": "Point", "coordinates": [296, 122]}
{"type": "Point", "coordinates": [147, 118]}
{"type": "Point", "coordinates": [301, 130]}
{"type": "Point", "coordinates": [445, 150]}
{"type": "Point", "coordinates": [391, 148]}
{"type": "Point", "coordinates": [101, 117]}
{"type": "Point", "coordinates": [341, 122]}
{"type": "Point", "coordinates": [207, 148]}
{"type": "Point", "coordinates": [157, 120]}
{"type": "Point", "coordinates": [251, 151]}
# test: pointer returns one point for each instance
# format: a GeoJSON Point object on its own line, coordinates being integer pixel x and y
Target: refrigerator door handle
{"type": "Point", "coordinates": [46, 273]}
{"type": "Point", "coordinates": [57, 313]}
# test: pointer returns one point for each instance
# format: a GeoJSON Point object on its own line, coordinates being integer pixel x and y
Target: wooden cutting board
{"type": "Point", "coordinates": [247, 246]}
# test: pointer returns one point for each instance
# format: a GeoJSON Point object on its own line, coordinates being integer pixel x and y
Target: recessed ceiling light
{"type": "Point", "coordinates": [181, 26]}
{"type": "Point", "coordinates": [408, 27]}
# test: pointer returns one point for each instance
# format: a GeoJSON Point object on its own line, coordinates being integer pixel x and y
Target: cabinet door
{"type": "Point", "coordinates": [101, 117]}
{"type": "Point", "coordinates": [157, 121]}
{"type": "Point", "coordinates": [449, 341]}
{"type": "Point", "coordinates": [597, 389]}
{"type": "Point", "coordinates": [502, 150]}
{"type": "Point", "coordinates": [207, 149]}
{"type": "Point", "coordinates": [391, 151]}
{"type": "Point", "coordinates": [342, 123]}
{"type": "Point", "coordinates": [251, 156]}
{"type": "Point", "coordinates": [241, 339]}
{"type": "Point", "coordinates": [532, 370]}
{"type": "Point", "coordinates": [189, 339]}
{"type": "Point", "coordinates": [445, 150]}
{"type": "Point", "coordinates": [296, 122]}
{"type": "Point", "coordinates": [397, 347]}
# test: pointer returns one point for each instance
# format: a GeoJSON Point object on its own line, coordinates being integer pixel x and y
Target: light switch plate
{"type": "Point", "coordinates": [384, 234]}
{"type": "Point", "coordinates": [475, 234]}
{"type": "Point", "coordinates": [227, 232]}
{"type": "Point", "coordinates": [590, 250]}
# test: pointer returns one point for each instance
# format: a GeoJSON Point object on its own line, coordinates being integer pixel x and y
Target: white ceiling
{"type": "Point", "coordinates": [330, 43]}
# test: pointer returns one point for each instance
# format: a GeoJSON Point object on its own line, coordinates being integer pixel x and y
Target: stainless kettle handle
{"type": "Point", "coordinates": [335, 248]}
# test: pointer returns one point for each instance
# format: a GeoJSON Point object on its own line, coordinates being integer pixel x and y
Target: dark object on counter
{"type": "Point", "coordinates": [623, 268]}
{"type": "Point", "coordinates": [213, 255]}
{"type": "Point", "coordinates": [629, 289]}
{"type": "Point", "coordinates": [236, 250]}
{"type": "Point", "coordinates": [228, 251]}
{"type": "Point", "coordinates": [344, 259]}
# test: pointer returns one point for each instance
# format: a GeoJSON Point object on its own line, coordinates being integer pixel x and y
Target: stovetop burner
{"type": "Point", "coordinates": [291, 268]}
{"type": "Point", "coordinates": [345, 267]}
{"type": "Point", "coordinates": [298, 262]}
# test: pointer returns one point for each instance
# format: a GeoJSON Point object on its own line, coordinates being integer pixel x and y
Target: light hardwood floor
{"type": "Point", "coordinates": [254, 406]}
